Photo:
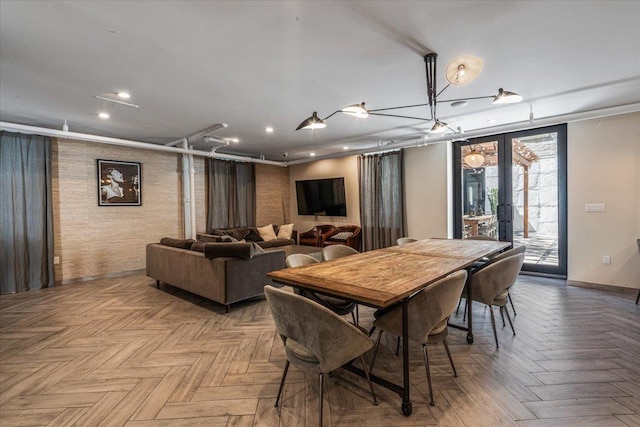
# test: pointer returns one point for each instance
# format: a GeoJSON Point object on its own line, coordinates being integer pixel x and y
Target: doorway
{"type": "Point", "coordinates": [513, 187]}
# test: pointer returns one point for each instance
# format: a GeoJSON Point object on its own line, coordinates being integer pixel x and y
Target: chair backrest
{"type": "Point", "coordinates": [506, 254]}
{"type": "Point", "coordinates": [405, 240]}
{"type": "Point", "coordinates": [496, 278]}
{"type": "Point", "coordinates": [428, 308]}
{"type": "Point", "coordinates": [331, 339]}
{"type": "Point", "coordinates": [297, 260]}
{"type": "Point", "coordinates": [337, 251]}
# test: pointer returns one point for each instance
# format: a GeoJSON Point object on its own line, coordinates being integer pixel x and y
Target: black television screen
{"type": "Point", "coordinates": [321, 197]}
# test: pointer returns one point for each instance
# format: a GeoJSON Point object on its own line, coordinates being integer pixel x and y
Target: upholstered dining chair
{"type": "Point", "coordinates": [337, 251]}
{"type": "Point", "coordinates": [429, 311]}
{"type": "Point", "coordinates": [337, 305]}
{"type": "Point", "coordinates": [405, 240]}
{"type": "Point", "coordinates": [315, 338]}
{"type": "Point", "coordinates": [491, 285]}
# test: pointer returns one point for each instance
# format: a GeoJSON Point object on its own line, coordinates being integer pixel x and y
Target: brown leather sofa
{"type": "Point", "coordinates": [349, 235]}
{"type": "Point", "coordinates": [316, 236]}
{"type": "Point", "coordinates": [225, 280]}
{"type": "Point", "coordinates": [249, 234]}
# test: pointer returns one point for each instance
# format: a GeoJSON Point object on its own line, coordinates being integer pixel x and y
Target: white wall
{"type": "Point", "coordinates": [346, 167]}
{"type": "Point", "coordinates": [604, 167]}
{"type": "Point", "coordinates": [426, 172]}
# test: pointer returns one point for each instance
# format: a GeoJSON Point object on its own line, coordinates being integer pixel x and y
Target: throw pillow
{"type": "Point", "coordinates": [253, 236]}
{"type": "Point", "coordinates": [236, 250]}
{"type": "Point", "coordinates": [285, 231]}
{"type": "Point", "coordinates": [343, 235]}
{"type": "Point", "coordinates": [177, 243]}
{"type": "Point", "coordinates": [198, 246]}
{"type": "Point", "coordinates": [267, 232]}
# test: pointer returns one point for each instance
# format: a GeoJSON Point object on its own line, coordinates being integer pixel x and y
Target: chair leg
{"type": "Point", "coordinates": [638, 297]}
{"type": "Point", "coordinates": [353, 316]}
{"type": "Point", "coordinates": [493, 323]}
{"type": "Point", "coordinates": [509, 319]}
{"type": "Point", "coordinates": [372, 330]}
{"type": "Point", "coordinates": [284, 375]}
{"type": "Point", "coordinates": [459, 302]}
{"type": "Point", "coordinates": [426, 365]}
{"type": "Point", "coordinates": [321, 399]}
{"type": "Point", "coordinates": [514, 308]}
{"type": "Point", "coordinates": [366, 373]}
{"type": "Point", "coordinates": [398, 346]}
{"type": "Point", "coordinates": [464, 316]}
{"type": "Point", "coordinates": [357, 315]}
{"type": "Point", "coordinates": [375, 351]}
{"type": "Point", "coordinates": [446, 347]}
{"type": "Point", "coordinates": [502, 315]}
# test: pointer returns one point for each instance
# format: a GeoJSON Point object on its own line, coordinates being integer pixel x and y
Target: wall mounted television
{"type": "Point", "coordinates": [321, 197]}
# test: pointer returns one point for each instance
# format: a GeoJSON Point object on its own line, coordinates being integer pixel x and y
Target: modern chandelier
{"type": "Point", "coordinates": [460, 71]}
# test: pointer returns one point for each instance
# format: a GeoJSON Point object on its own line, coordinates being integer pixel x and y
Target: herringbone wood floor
{"type": "Point", "coordinates": [121, 352]}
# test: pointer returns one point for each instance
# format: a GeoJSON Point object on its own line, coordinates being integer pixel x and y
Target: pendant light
{"type": "Point", "coordinates": [474, 159]}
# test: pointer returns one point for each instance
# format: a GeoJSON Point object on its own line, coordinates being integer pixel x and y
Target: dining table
{"type": "Point", "coordinates": [474, 221]}
{"type": "Point", "coordinates": [385, 277]}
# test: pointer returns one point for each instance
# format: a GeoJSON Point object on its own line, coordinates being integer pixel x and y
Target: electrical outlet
{"type": "Point", "coordinates": [56, 260]}
{"type": "Point", "coordinates": [606, 259]}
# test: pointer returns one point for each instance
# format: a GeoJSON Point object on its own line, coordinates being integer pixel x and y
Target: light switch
{"type": "Point", "coordinates": [595, 207]}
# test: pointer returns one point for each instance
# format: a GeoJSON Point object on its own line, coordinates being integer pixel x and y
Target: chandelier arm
{"type": "Point", "coordinates": [402, 117]}
{"type": "Point", "coordinates": [445, 88]}
{"type": "Point", "coordinates": [468, 99]}
{"type": "Point", "coordinates": [396, 108]}
{"type": "Point", "coordinates": [332, 114]}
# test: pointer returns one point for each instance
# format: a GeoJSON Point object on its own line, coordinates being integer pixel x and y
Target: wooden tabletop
{"type": "Point", "coordinates": [383, 277]}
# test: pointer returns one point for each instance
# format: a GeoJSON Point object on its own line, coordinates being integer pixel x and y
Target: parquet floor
{"type": "Point", "coordinates": [117, 352]}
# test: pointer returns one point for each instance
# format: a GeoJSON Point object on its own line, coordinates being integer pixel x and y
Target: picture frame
{"type": "Point", "coordinates": [119, 183]}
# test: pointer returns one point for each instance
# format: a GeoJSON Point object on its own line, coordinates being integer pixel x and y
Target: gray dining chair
{"type": "Point", "coordinates": [405, 240]}
{"type": "Point", "coordinates": [337, 251]}
{"type": "Point", "coordinates": [428, 312]}
{"type": "Point", "coordinates": [315, 338]}
{"type": "Point", "coordinates": [491, 284]}
{"type": "Point", "coordinates": [337, 305]}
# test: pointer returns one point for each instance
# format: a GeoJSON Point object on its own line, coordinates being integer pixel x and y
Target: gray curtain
{"type": "Point", "coordinates": [232, 195]}
{"type": "Point", "coordinates": [382, 209]}
{"type": "Point", "coordinates": [26, 213]}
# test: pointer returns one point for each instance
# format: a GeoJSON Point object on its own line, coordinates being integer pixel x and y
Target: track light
{"type": "Point", "coordinates": [506, 97]}
{"type": "Point", "coordinates": [313, 122]}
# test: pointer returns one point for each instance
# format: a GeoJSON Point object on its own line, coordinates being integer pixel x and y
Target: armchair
{"type": "Point", "coordinates": [350, 235]}
{"type": "Point", "coordinates": [316, 236]}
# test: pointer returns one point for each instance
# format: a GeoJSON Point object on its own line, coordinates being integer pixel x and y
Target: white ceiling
{"type": "Point", "coordinates": [190, 65]}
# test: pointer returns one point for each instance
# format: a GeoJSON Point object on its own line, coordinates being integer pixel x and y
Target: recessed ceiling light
{"type": "Point", "coordinates": [235, 140]}
{"type": "Point", "coordinates": [123, 95]}
{"type": "Point", "coordinates": [268, 129]}
{"type": "Point", "coordinates": [345, 148]}
{"type": "Point", "coordinates": [312, 154]}
{"type": "Point", "coordinates": [491, 121]}
{"type": "Point", "coordinates": [103, 115]}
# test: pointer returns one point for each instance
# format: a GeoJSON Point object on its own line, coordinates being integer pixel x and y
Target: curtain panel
{"type": "Point", "coordinates": [232, 195]}
{"type": "Point", "coordinates": [26, 213]}
{"type": "Point", "coordinates": [382, 208]}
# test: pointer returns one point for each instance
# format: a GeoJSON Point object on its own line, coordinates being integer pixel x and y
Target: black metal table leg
{"type": "Point", "coordinates": [406, 399]}
{"type": "Point", "coordinates": [469, 309]}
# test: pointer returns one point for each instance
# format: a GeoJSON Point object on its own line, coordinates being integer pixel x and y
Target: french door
{"type": "Point", "coordinates": [513, 187]}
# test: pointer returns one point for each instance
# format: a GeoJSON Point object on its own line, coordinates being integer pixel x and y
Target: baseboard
{"type": "Point", "coordinates": [99, 276]}
{"type": "Point", "coordinates": [611, 288]}
{"type": "Point", "coordinates": [539, 274]}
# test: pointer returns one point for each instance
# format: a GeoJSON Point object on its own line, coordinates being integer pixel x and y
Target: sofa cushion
{"type": "Point", "coordinates": [267, 233]}
{"type": "Point", "coordinates": [235, 250]}
{"type": "Point", "coordinates": [177, 243]}
{"type": "Point", "coordinates": [198, 246]}
{"type": "Point", "coordinates": [253, 235]}
{"type": "Point", "coordinates": [276, 242]}
{"type": "Point", "coordinates": [285, 231]}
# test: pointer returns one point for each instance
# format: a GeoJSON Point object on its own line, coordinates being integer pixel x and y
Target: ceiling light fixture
{"type": "Point", "coordinates": [123, 95]}
{"type": "Point", "coordinates": [268, 129]}
{"type": "Point", "coordinates": [474, 159]}
{"type": "Point", "coordinates": [460, 71]}
{"type": "Point", "coordinates": [103, 115]}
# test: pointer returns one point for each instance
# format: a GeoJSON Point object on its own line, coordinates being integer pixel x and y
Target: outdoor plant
{"type": "Point", "coordinates": [493, 200]}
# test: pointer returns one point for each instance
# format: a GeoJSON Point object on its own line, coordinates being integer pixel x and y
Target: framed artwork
{"type": "Point", "coordinates": [119, 183]}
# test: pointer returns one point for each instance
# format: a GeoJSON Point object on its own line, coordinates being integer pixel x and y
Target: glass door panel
{"type": "Point", "coordinates": [513, 187]}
